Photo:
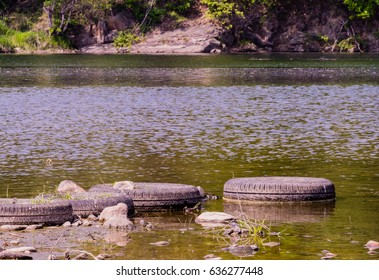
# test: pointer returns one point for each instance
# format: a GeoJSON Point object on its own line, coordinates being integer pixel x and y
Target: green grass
{"type": "Point", "coordinates": [11, 40]}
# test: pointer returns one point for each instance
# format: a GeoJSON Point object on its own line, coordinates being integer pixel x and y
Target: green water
{"type": "Point", "coordinates": [201, 120]}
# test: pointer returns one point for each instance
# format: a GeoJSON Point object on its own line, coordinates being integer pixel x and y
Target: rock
{"type": "Point", "coordinates": [147, 225]}
{"type": "Point", "coordinates": [13, 227]}
{"type": "Point", "coordinates": [77, 223]}
{"type": "Point", "coordinates": [93, 218]}
{"type": "Point", "coordinates": [211, 257]}
{"type": "Point", "coordinates": [7, 255]}
{"type": "Point", "coordinates": [21, 249]}
{"type": "Point", "coordinates": [214, 219]}
{"type": "Point", "coordinates": [103, 256]}
{"type": "Point", "coordinates": [242, 250]}
{"type": "Point", "coordinates": [68, 186]}
{"type": "Point", "coordinates": [119, 210]}
{"type": "Point", "coordinates": [116, 217]}
{"type": "Point", "coordinates": [87, 223]}
{"type": "Point", "coordinates": [67, 224]}
{"type": "Point", "coordinates": [160, 243]}
{"type": "Point", "coordinates": [124, 185]}
{"type": "Point", "coordinates": [110, 37]}
{"type": "Point", "coordinates": [372, 245]}
{"type": "Point", "coordinates": [195, 36]}
{"type": "Point", "coordinates": [327, 255]}
{"type": "Point", "coordinates": [34, 227]}
{"type": "Point", "coordinates": [121, 223]}
{"type": "Point", "coordinates": [121, 21]}
{"type": "Point", "coordinates": [271, 244]}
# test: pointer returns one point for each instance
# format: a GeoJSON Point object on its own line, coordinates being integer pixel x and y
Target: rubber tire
{"type": "Point", "coordinates": [279, 189]}
{"type": "Point", "coordinates": [154, 197]}
{"type": "Point", "coordinates": [84, 205]}
{"type": "Point", "coordinates": [24, 212]}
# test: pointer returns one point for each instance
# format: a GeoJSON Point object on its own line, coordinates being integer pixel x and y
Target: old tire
{"type": "Point", "coordinates": [279, 189]}
{"type": "Point", "coordinates": [159, 196]}
{"type": "Point", "coordinates": [84, 205]}
{"type": "Point", "coordinates": [25, 212]}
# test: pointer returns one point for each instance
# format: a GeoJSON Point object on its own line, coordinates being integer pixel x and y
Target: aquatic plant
{"type": "Point", "coordinates": [241, 231]}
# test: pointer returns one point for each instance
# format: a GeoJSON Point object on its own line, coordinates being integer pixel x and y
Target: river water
{"type": "Point", "coordinates": [201, 120]}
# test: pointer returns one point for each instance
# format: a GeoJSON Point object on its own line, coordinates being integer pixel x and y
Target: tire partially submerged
{"type": "Point", "coordinates": [26, 212]}
{"type": "Point", "coordinates": [158, 196]}
{"type": "Point", "coordinates": [279, 189]}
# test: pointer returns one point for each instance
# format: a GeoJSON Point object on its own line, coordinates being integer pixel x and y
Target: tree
{"type": "Point", "coordinates": [59, 14]}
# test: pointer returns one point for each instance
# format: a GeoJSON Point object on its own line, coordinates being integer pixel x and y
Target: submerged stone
{"type": "Point", "coordinates": [160, 243]}
{"type": "Point", "coordinates": [214, 218]}
{"type": "Point", "coordinates": [372, 245]}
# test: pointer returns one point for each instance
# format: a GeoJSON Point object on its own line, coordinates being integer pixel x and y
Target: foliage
{"type": "Point", "coordinates": [126, 39]}
{"type": "Point", "coordinates": [347, 45]}
{"type": "Point", "coordinates": [243, 231]}
{"type": "Point", "coordinates": [363, 9]}
{"type": "Point", "coordinates": [227, 11]}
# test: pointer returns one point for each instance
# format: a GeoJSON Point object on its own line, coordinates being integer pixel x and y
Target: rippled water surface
{"type": "Point", "coordinates": [202, 120]}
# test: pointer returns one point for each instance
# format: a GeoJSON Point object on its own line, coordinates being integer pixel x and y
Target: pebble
{"type": "Point", "coordinates": [160, 243]}
{"type": "Point", "coordinates": [271, 244]}
{"type": "Point", "coordinates": [67, 224]}
{"type": "Point", "coordinates": [327, 255]}
{"type": "Point", "coordinates": [103, 256]}
{"type": "Point", "coordinates": [212, 257]}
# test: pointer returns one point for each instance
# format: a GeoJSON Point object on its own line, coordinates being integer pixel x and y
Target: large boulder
{"type": "Point", "coordinates": [121, 21]}
{"type": "Point", "coordinates": [119, 210]}
{"type": "Point", "coordinates": [116, 217]}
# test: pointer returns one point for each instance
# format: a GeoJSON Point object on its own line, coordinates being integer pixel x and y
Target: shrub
{"type": "Point", "coordinates": [126, 39]}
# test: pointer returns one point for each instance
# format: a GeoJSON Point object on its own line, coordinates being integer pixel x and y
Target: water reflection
{"type": "Point", "coordinates": [274, 213]}
{"type": "Point", "coordinates": [47, 77]}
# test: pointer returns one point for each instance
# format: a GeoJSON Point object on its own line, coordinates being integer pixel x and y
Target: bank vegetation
{"type": "Point", "coordinates": [246, 25]}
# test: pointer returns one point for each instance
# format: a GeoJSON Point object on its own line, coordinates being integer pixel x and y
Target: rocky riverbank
{"type": "Point", "coordinates": [199, 35]}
